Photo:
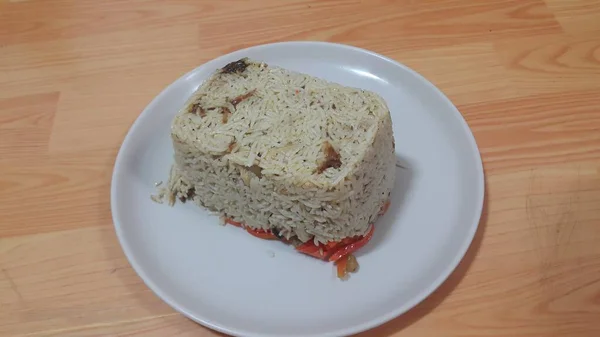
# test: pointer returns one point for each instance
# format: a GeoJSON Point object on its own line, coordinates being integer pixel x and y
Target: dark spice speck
{"type": "Point", "coordinates": [235, 67]}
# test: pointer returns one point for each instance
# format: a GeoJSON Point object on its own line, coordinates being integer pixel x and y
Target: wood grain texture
{"type": "Point", "coordinates": [577, 16]}
{"type": "Point", "coordinates": [525, 74]}
{"type": "Point", "coordinates": [25, 124]}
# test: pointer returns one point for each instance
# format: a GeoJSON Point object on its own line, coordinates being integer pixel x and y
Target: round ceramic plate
{"type": "Point", "coordinates": [227, 280]}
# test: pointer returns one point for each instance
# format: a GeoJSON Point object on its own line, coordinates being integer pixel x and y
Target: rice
{"type": "Point", "coordinates": [280, 150]}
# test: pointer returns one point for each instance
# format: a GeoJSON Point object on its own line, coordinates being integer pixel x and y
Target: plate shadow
{"type": "Point", "coordinates": [440, 294]}
{"type": "Point", "coordinates": [405, 174]}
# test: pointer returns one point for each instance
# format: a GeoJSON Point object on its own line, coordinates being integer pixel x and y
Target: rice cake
{"type": "Point", "coordinates": [284, 152]}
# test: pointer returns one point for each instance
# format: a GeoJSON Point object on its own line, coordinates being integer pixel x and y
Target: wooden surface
{"type": "Point", "coordinates": [525, 74]}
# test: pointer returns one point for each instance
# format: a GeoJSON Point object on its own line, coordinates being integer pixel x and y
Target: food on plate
{"type": "Point", "coordinates": [286, 156]}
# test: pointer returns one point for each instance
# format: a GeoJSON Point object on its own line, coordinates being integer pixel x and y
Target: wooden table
{"type": "Point", "coordinates": [525, 74]}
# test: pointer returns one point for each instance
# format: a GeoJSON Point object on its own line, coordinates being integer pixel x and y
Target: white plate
{"type": "Point", "coordinates": [227, 280]}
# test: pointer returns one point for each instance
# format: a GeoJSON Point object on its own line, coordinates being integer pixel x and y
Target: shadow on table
{"type": "Point", "coordinates": [437, 297]}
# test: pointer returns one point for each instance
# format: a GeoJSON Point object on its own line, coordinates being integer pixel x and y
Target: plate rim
{"type": "Point", "coordinates": [353, 329]}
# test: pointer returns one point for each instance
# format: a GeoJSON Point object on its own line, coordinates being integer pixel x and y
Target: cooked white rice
{"type": "Point", "coordinates": [280, 150]}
